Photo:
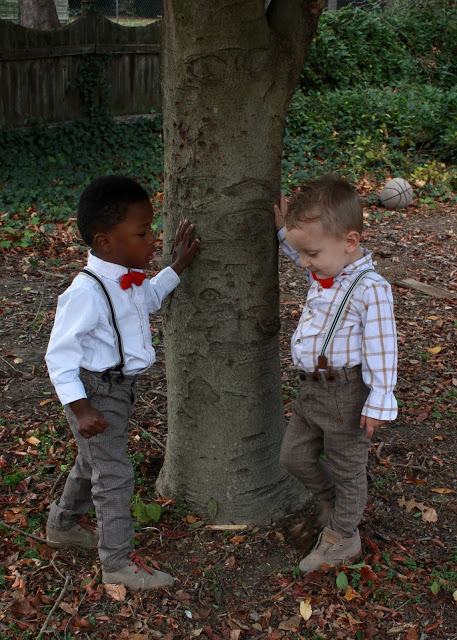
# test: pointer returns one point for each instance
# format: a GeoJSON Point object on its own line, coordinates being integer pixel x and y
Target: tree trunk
{"type": "Point", "coordinates": [228, 72]}
{"type": "Point", "coordinates": [39, 14]}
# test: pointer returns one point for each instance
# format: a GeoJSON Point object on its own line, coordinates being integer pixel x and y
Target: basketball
{"type": "Point", "coordinates": [396, 194]}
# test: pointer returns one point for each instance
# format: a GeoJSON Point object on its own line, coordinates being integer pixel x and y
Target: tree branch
{"type": "Point", "coordinates": [295, 21]}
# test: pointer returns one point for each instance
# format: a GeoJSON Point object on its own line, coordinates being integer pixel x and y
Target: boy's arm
{"type": "Point", "coordinates": [76, 316]}
{"type": "Point", "coordinates": [280, 212]}
{"type": "Point", "coordinates": [379, 356]}
{"type": "Point", "coordinates": [168, 279]}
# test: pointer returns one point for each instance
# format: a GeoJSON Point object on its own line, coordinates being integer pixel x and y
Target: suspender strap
{"type": "Point", "coordinates": [113, 320]}
{"type": "Point", "coordinates": [337, 318]}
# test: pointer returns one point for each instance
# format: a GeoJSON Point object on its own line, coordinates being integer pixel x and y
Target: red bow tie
{"type": "Point", "coordinates": [326, 283]}
{"type": "Point", "coordinates": [132, 277]}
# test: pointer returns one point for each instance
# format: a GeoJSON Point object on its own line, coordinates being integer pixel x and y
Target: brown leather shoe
{"type": "Point", "coordinates": [333, 550]}
{"type": "Point", "coordinates": [82, 535]}
{"type": "Point", "coordinates": [138, 576]}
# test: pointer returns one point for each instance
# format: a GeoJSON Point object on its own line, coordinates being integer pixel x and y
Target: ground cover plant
{"type": "Point", "coordinates": [390, 110]}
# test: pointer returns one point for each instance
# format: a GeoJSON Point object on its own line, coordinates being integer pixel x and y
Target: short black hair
{"type": "Point", "coordinates": [104, 202]}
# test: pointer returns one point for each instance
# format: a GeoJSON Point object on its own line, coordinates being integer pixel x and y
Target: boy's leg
{"type": "Point", "coordinates": [346, 445]}
{"type": "Point", "coordinates": [303, 443]}
{"type": "Point", "coordinates": [76, 498]}
{"type": "Point", "coordinates": [112, 477]}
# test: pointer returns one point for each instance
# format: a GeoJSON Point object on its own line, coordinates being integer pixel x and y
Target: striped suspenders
{"type": "Point", "coordinates": [113, 322]}
{"type": "Point", "coordinates": [322, 362]}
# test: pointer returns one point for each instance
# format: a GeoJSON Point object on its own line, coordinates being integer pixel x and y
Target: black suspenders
{"type": "Point", "coordinates": [113, 323]}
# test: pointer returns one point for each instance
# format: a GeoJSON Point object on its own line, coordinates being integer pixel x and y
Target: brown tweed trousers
{"type": "Point", "coordinates": [326, 418]}
{"type": "Point", "coordinates": [102, 474]}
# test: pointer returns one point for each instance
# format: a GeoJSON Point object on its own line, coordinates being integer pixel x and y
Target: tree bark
{"type": "Point", "coordinates": [228, 73]}
{"type": "Point", "coordinates": [39, 14]}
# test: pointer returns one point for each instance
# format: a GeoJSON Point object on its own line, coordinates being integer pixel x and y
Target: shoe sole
{"type": "Point", "coordinates": [63, 545]}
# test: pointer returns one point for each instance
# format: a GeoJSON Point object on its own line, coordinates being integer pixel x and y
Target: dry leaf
{"type": "Point", "coordinates": [191, 519]}
{"type": "Point", "coordinates": [45, 402]}
{"type": "Point", "coordinates": [305, 609]}
{"type": "Point", "coordinates": [434, 350]}
{"type": "Point", "coordinates": [412, 634]}
{"type": "Point", "coordinates": [441, 490]}
{"type": "Point", "coordinates": [17, 360]}
{"type": "Point", "coordinates": [33, 440]}
{"type": "Point", "coordinates": [429, 515]}
{"type": "Point", "coordinates": [68, 608]}
{"type": "Point", "coordinates": [454, 595]}
{"type": "Point", "coordinates": [116, 591]}
{"type": "Point", "coordinates": [290, 625]}
{"type": "Point", "coordinates": [237, 539]}
{"type": "Point", "coordinates": [350, 593]}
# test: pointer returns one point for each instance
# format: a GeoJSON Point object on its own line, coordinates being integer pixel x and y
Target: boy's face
{"type": "Point", "coordinates": [324, 254]}
{"type": "Point", "coordinates": [130, 243]}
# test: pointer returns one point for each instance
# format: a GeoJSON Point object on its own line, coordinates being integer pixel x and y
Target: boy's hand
{"type": "Point", "coordinates": [371, 424]}
{"type": "Point", "coordinates": [280, 212]}
{"type": "Point", "coordinates": [90, 420]}
{"type": "Point", "coordinates": [184, 249]}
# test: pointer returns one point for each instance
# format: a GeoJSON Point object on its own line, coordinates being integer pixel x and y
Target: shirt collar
{"type": "Point", "coordinates": [365, 262]}
{"type": "Point", "coordinates": [105, 269]}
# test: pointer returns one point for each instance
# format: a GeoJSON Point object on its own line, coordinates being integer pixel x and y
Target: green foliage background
{"type": "Point", "coordinates": [377, 97]}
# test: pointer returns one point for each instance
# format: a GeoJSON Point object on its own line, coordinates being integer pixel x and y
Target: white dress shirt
{"type": "Point", "coordinates": [82, 335]}
{"type": "Point", "coordinates": [367, 334]}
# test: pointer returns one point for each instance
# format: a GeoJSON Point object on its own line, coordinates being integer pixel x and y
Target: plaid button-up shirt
{"type": "Point", "coordinates": [367, 335]}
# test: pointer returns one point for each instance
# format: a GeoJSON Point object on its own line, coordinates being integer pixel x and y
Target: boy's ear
{"type": "Point", "coordinates": [352, 241]}
{"type": "Point", "coordinates": [100, 241]}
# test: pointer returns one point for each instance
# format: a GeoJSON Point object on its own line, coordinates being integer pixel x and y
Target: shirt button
{"type": "Point", "coordinates": [319, 289]}
{"type": "Point", "coordinates": [310, 312]}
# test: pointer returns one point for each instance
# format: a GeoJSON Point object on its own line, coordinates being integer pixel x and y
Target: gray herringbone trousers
{"type": "Point", "coordinates": [326, 418]}
{"type": "Point", "coordinates": [102, 474]}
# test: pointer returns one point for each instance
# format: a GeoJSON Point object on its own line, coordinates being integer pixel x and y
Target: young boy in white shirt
{"type": "Point", "coordinates": [347, 376]}
{"type": "Point", "coordinates": [100, 342]}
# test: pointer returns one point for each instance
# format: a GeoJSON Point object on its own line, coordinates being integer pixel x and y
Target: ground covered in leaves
{"type": "Point", "coordinates": [241, 583]}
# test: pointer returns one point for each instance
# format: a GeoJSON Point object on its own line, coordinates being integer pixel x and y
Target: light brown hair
{"type": "Point", "coordinates": [330, 199]}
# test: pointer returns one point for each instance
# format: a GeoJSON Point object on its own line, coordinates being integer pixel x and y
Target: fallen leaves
{"type": "Point", "coordinates": [116, 591]}
{"type": "Point", "coordinates": [306, 611]}
{"type": "Point", "coordinates": [428, 513]}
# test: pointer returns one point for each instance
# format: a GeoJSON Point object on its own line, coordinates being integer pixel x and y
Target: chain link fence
{"type": "Point", "coordinates": [128, 12]}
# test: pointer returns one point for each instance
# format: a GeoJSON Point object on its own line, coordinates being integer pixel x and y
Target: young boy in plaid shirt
{"type": "Point", "coordinates": [346, 393]}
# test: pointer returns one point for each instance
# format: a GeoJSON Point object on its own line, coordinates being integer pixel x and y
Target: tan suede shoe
{"type": "Point", "coordinates": [333, 550]}
{"type": "Point", "coordinates": [138, 576]}
{"type": "Point", "coordinates": [82, 535]}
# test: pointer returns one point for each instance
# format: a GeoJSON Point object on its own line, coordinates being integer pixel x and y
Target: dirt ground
{"type": "Point", "coordinates": [242, 584]}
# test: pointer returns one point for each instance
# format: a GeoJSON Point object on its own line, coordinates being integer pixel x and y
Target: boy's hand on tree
{"type": "Point", "coordinates": [280, 212]}
{"type": "Point", "coordinates": [90, 420]}
{"type": "Point", "coordinates": [371, 424]}
{"type": "Point", "coordinates": [184, 250]}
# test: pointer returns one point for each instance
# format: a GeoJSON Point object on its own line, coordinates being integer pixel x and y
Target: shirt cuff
{"type": "Point", "coordinates": [168, 279]}
{"type": "Point", "coordinates": [381, 406]}
{"type": "Point", "coordinates": [71, 391]}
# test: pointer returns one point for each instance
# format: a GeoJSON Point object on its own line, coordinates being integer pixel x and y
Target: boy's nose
{"type": "Point", "coordinates": [305, 263]}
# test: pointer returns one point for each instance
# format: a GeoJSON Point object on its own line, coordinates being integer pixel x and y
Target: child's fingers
{"type": "Point", "coordinates": [283, 204]}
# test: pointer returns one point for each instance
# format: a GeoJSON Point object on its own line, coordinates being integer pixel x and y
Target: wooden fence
{"type": "Point", "coordinates": [40, 70]}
